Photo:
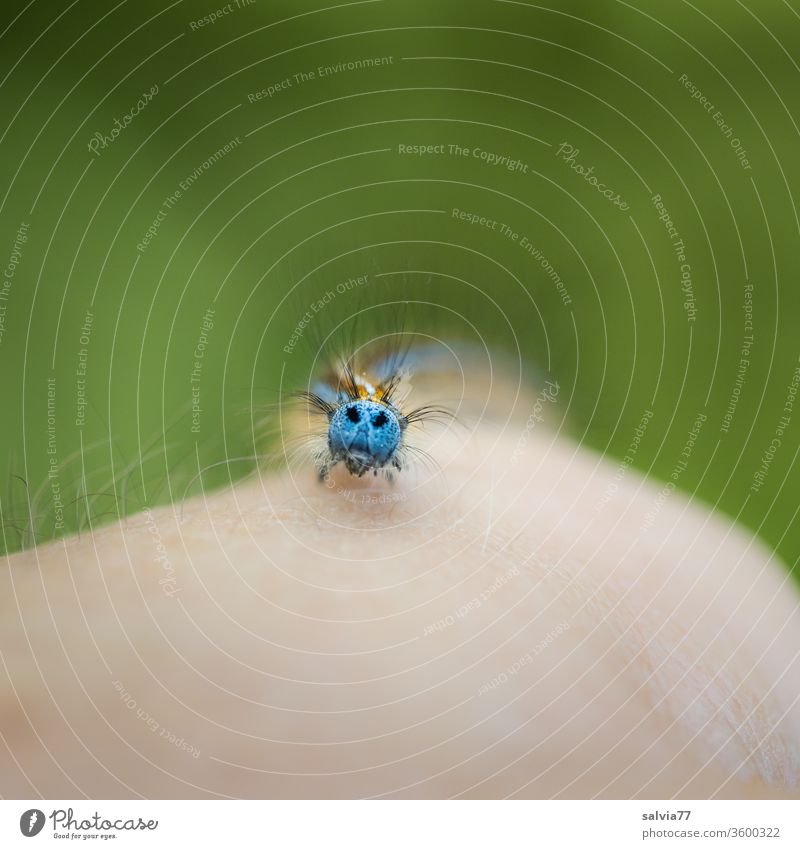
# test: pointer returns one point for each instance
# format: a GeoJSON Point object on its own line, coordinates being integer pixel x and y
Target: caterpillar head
{"type": "Point", "coordinates": [365, 435]}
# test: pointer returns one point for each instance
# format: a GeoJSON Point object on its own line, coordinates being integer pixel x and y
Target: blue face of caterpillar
{"type": "Point", "coordinates": [365, 435]}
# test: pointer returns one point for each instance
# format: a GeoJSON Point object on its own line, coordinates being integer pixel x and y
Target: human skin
{"type": "Point", "coordinates": [504, 625]}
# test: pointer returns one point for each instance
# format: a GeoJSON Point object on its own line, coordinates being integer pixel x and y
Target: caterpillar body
{"type": "Point", "coordinates": [360, 413]}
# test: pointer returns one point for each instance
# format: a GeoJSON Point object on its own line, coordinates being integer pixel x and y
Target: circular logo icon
{"type": "Point", "coordinates": [31, 822]}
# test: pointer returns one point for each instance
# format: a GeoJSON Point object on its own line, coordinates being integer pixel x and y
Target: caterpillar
{"type": "Point", "coordinates": [360, 412]}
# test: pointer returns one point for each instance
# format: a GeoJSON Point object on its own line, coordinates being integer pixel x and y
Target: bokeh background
{"type": "Point", "coordinates": [638, 243]}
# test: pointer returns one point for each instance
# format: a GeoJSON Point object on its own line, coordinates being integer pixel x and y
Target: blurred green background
{"type": "Point", "coordinates": [153, 274]}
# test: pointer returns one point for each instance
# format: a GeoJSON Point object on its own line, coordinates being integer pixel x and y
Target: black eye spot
{"type": "Point", "coordinates": [380, 420]}
{"type": "Point", "coordinates": [353, 414]}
